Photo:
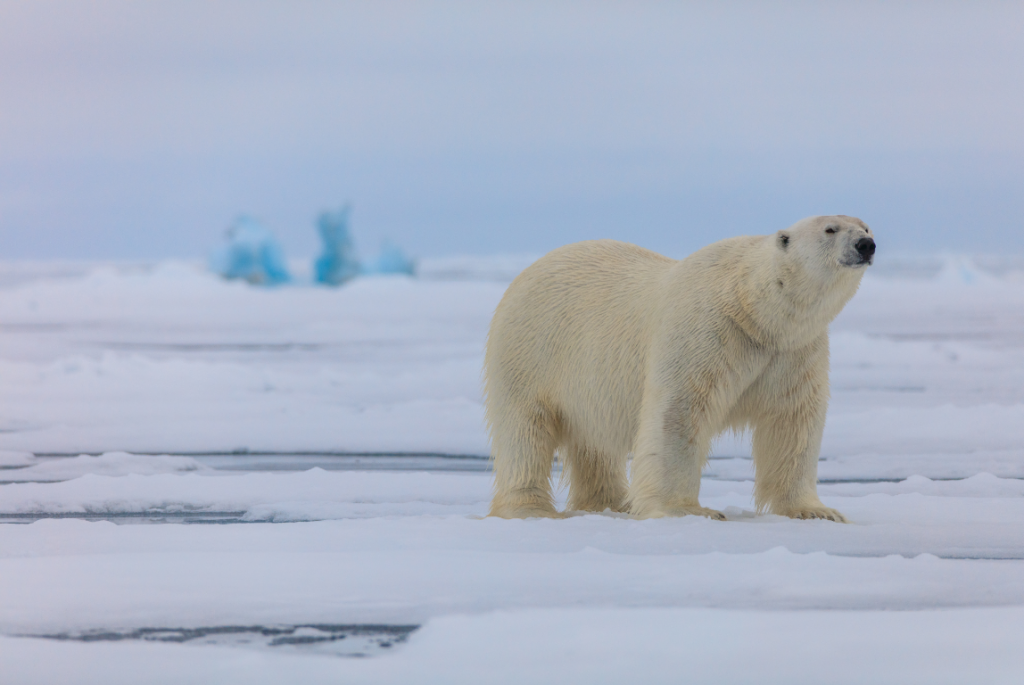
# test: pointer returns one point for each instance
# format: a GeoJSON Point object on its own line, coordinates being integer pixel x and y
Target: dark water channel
{"type": "Point", "coordinates": [349, 640]}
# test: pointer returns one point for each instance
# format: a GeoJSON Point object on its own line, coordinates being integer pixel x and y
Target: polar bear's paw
{"type": "Point", "coordinates": [713, 514]}
{"type": "Point", "coordinates": [525, 511]}
{"type": "Point", "coordinates": [817, 512]}
{"type": "Point", "coordinates": [685, 510]}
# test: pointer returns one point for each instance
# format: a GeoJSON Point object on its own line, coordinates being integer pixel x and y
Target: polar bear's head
{"type": "Point", "coordinates": [829, 242]}
{"type": "Point", "coordinates": [816, 267]}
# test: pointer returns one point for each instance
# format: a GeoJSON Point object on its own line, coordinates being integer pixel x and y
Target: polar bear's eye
{"type": "Point", "coordinates": [830, 229]}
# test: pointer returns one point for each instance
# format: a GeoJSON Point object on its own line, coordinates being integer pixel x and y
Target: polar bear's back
{"type": "Point", "coordinates": [570, 337]}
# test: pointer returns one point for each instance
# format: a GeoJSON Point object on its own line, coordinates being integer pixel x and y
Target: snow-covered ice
{"type": "Point", "coordinates": [163, 393]}
{"type": "Point", "coordinates": [593, 645]}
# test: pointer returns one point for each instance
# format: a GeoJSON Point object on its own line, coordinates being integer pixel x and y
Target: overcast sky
{"type": "Point", "coordinates": [141, 129]}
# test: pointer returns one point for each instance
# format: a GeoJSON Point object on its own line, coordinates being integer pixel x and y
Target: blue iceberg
{"type": "Point", "coordinates": [338, 262]}
{"type": "Point", "coordinates": [252, 253]}
{"type": "Point", "coordinates": [961, 270]}
{"type": "Point", "coordinates": [391, 261]}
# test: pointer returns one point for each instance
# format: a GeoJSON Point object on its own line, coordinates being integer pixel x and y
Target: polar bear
{"type": "Point", "coordinates": [602, 349]}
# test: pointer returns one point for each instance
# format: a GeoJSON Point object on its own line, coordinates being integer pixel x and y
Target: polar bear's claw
{"type": "Point", "coordinates": [681, 511]}
{"type": "Point", "coordinates": [711, 514]}
{"type": "Point", "coordinates": [818, 513]}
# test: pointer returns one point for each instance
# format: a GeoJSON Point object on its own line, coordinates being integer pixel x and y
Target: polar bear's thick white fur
{"type": "Point", "coordinates": [602, 349]}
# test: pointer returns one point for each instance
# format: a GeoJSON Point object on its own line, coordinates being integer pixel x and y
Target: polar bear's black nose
{"type": "Point", "coordinates": [866, 247]}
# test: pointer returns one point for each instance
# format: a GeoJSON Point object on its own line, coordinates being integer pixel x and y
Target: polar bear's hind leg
{"type": "Point", "coordinates": [597, 480]}
{"type": "Point", "coordinates": [523, 449]}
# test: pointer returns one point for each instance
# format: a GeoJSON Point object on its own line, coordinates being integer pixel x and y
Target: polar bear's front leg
{"type": "Point", "coordinates": [666, 479]}
{"type": "Point", "coordinates": [671, 449]}
{"type": "Point", "coordinates": [792, 399]}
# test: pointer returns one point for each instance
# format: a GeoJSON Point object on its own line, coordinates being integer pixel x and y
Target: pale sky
{"type": "Point", "coordinates": [141, 129]}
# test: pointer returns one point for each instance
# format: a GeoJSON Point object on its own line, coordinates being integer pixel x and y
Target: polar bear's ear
{"type": "Point", "coordinates": [783, 240]}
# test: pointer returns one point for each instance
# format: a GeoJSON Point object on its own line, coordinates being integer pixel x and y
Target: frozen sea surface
{"type": "Point", "coordinates": [336, 438]}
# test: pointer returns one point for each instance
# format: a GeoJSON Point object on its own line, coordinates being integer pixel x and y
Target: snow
{"type": "Point", "coordinates": [982, 516]}
{"type": "Point", "coordinates": [9, 459]}
{"type": "Point", "coordinates": [593, 645]}
{"type": "Point", "coordinates": [110, 464]}
{"type": "Point", "coordinates": [164, 394]}
{"type": "Point", "coordinates": [175, 360]}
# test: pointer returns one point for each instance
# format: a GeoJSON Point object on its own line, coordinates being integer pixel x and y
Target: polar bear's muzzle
{"type": "Point", "coordinates": [865, 248]}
